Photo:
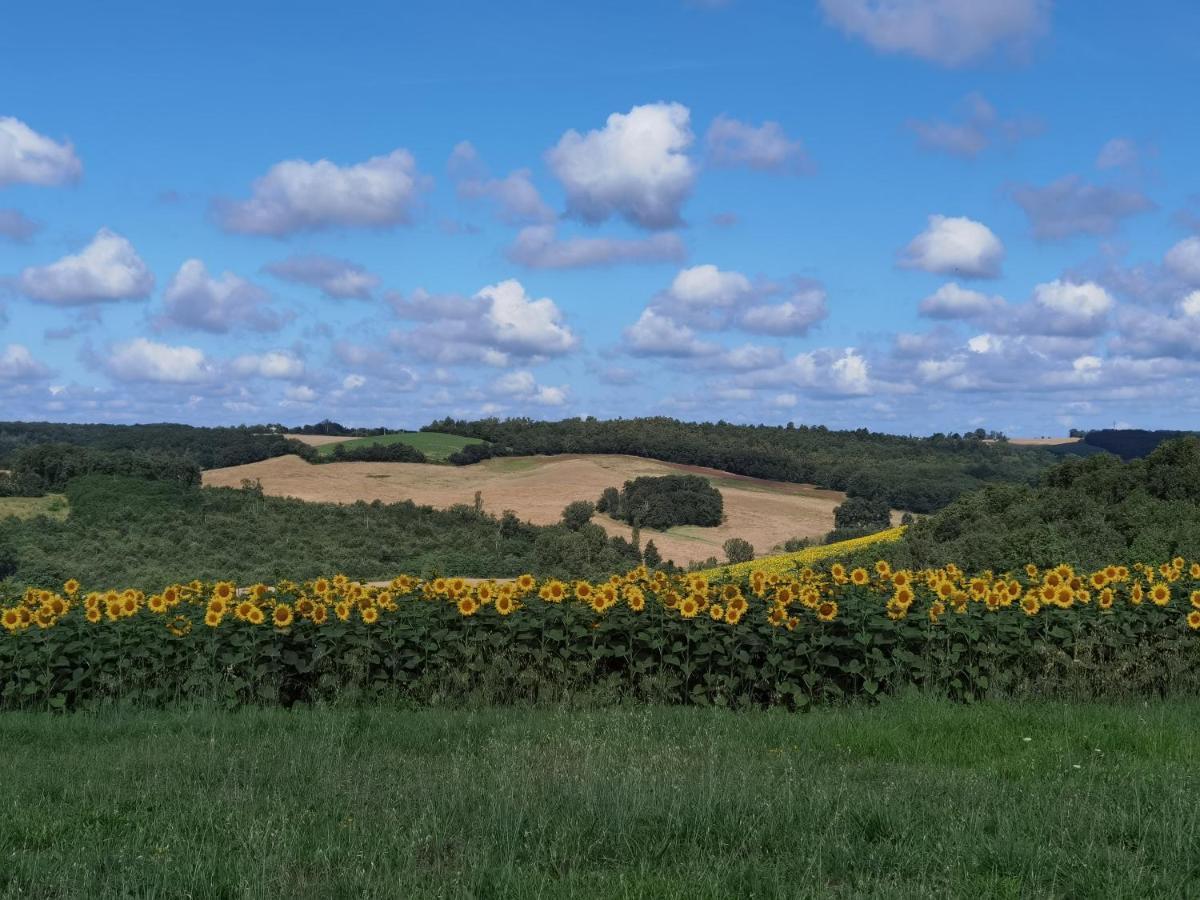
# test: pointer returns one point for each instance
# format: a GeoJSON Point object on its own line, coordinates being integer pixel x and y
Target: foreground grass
{"type": "Point", "coordinates": [53, 506]}
{"type": "Point", "coordinates": [911, 799]}
{"type": "Point", "coordinates": [433, 444]}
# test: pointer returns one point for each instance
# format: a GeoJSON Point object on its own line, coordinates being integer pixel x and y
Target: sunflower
{"type": "Point", "coordinates": [319, 614]}
{"type": "Point", "coordinates": [485, 593]}
{"type": "Point", "coordinates": [467, 606]}
{"type": "Point", "coordinates": [458, 585]}
{"type": "Point", "coordinates": [777, 616]}
{"type": "Point", "coordinates": [883, 568]}
{"type": "Point", "coordinates": [217, 605]}
{"type": "Point", "coordinates": [370, 615]}
{"type": "Point", "coordinates": [256, 616]}
{"type": "Point", "coordinates": [1195, 598]}
{"type": "Point", "coordinates": [689, 607]}
{"type": "Point", "coordinates": [900, 579]}
{"type": "Point", "coordinates": [224, 590]}
{"type": "Point", "coordinates": [71, 588]}
{"type": "Point", "coordinates": [732, 616]}
{"type": "Point", "coordinates": [737, 605]}
{"type": "Point", "coordinates": [1030, 604]}
{"type": "Point", "coordinates": [1031, 570]}
{"type": "Point", "coordinates": [937, 609]}
{"type": "Point", "coordinates": [171, 595]}
{"type": "Point", "coordinates": [242, 610]}
{"type": "Point", "coordinates": [342, 610]}
{"type": "Point", "coordinates": [179, 626]}
{"type": "Point", "coordinates": [321, 586]}
{"type": "Point", "coordinates": [93, 615]}
{"type": "Point", "coordinates": [526, 583]}
{"type": "Point", "coordinates": [583, 590]}
{"type": "Point", "coordinates": [212, 619]}
{"type": "Point", "coordinates": [1136, 595]}
{"type": "Point", "coordinates": [1193, 619]}
{"type": "Point", "coordinates": [11, 619]}
{"type": "Point", "coordinates": [129, 605]}
{"type": "Point", "coordinates": [157, 604]}
{"type": "Point", "coordinates": [1099, 580]}
{"type": "Point", "coordinates": [827, 611]}
{"type": "Point", "coordinates": [1106, 599]}
{"type": "Point", "coordinates": [859, 576]}
{"type": "Point", "coordinates": [838, 573]}
{"type": "Point", "coordinates": [716, 612]}
{"type": "Point", "coordinates": [282, 616]}
{"type": "Point", "coordinates": [1160, 595]}
{"type": "Point", "coordinates": [305, 607]}
{"type": "Point", "coordinates": [505, 604]}
{"type": "Point", "coordinates": [554, 592]}
{"type": "Point", "coordinates": [903, 597]}
{"type": "Point", "coordinates": [1194, 570]}
{"type": "Point", "coordinates": [896, 611]}
{"type": "Point", "coordinates": [944, 589]}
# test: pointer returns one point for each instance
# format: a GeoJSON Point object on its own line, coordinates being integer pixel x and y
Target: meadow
{"type": "Point", "coordinates": [909, 798]}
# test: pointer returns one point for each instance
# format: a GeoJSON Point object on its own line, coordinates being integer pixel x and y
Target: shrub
{"type": "Point", "coordinates": [664, 501]}
{"type": "Point", "coordinates": [738, 550]}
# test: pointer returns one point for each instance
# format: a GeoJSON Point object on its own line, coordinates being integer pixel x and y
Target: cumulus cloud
{"type": "Point", "coordinates": [948, 32]}
{"type": "Point", "coordinates": [539, 247]}
{"type": "Point", "coordinates": [656, 334]}
{"type": "Point", "coordinates": [1070, 206]}
{"type": "Point", "coordinates": [497, 324]}
{"type": "Point", "coordinates": [195, 299]}
{"type": "Point", "coordinates": [636, 166]}
{"type": "Point", "coordinates": [27, 157]}
{"type": "Point", "coordinates": [516, 199]}
{"type": "Point", "coordinates": [16, 226]}
{"type": "Point", "coordinates": [1183, 260]}
{"type": "Point", "coordinates": [144, 360]}
{"type": "Point", "coordinates": [765, 148]}
{"type": "Point", "coordinates": [977, 128]}
{"type": "Point", "coordinates": [955, 246]}
{"type": "Point", "coordinates": [792, 317]}
{"type": "Point", "coordinates": [826, 371]}
{"type": "Point", "coordinates": [338, 279]}
{"type": "Point", "coordinates": [953, 302]}
{"type": "Point", "coordinates": [107, 269]}
{"type": "Point", "coordinates": [521, 385]}
{"type": "Point", "coordinates": [18, 364]}
{"type": "Point", "coordinates": [296, 195]}
{"type": "Point", "coordinates": [275, 364]}
{"type": "Point", "coordinates": [1063, 308]}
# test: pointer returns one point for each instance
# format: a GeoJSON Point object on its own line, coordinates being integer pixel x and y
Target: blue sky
{"type": "Point", "coordinates": [909, 215]}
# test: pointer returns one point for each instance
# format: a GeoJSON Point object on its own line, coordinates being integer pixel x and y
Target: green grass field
{"type": "Point", "coordinates": [53, 506]}
{"type": "Point", "coordinates": [433, 444]}
{"type": "Point", "coordinates": [910, 799]}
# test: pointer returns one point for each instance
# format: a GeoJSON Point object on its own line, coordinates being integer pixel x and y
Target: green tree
{"type": "Point", "coordinates": [578, 513]}
{"type": "Point", "coordinates": [738, 550]}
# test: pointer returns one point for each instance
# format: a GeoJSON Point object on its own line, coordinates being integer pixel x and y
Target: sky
{"type": "Point", "coordinates": [906, 215]}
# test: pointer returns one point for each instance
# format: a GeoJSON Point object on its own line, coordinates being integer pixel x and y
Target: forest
{"type": "Point", "coordinates": [125, 530]}
{"type": "Point", "coordinates": [1087, 512]}
{"type": "Point", "coordinates": [664, 501]}
{"type": "Point", "coordinates": [918, 474]}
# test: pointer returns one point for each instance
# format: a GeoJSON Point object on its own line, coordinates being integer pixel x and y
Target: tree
{"type": "Point", "coordinates": [738, 550]}
{"type": "Point", "coordinates": [578, 513]}
{"type": "Point", "coordinates": [610, 502]}
{"type": "Point", "coordinates": [650, 556]}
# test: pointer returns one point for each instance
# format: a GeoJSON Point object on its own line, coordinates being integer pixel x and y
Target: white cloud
{"type": "Point", "coordinates": [18, 364]}
{"type": "Point", "coordinates": [977, 128]}
{"type": "Point", "coordinates": [1069, 206]}
{"type": "Point", "coordinates": [1190, 305]}
{"type": "Point", "coordinates": [300, 393]}
{"type": "Point", "coordinates": [538, 247]}
{"type": "Point", "coordinates": [106, 269]}
{"type": "Point", "coordinates": [353, 382]}
{"type": "Point", "coordinates": [655, 334]}
{"type": "Point", "coordinates": [1065, 309]}
{"type": "Point", "coordinates": [955, 246]}
{"type": "Point", "coordinates": [144, 360]}
{"type": "Point", "coordinates": [753, 356]}
{"type": "Point", "coordinates": [297, 195]}
{"type": "Point", "coordinates": [195, 299]}
{"type": "Point", "coordinates": [1183, 260]}
{"type": "Point", "coordinates": [500, 322]}
{"type": "Point", "coordinates": [516, 199]}
{"type": "Point", "coordinates": [338, 279]}
{"type": "Point", "coordinates": [16, 226]}
{"type": "Point", "coordinates": [825, 371]}
{"type": "Point", "coordinates": [636, 166]}
{"type": "Point", "coordinates": [706, 287]}
{"type": "Point", "coordinates": [765, 148]}
{"type": "Point", "coordinates": [522, 385]}
{"type": "Point", "coordinates": [277, 364]}
{"type": "Point", "coordinates": [27, 157]}
{"type": "Point", "coordinates": [953, 302]}
{"type": "Point", "coordinates": [948, 32]}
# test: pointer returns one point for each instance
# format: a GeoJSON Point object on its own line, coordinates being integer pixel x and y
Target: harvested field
{"type": "Point", "coordinates": [536, 488]}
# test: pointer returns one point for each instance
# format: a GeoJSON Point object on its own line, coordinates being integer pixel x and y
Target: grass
{"type": "Point", "coordinates": [433, 444]}
{"type": "Point", "coordinates": [53, 506]}
{"type": "Point", "coordinates": [913, 798]}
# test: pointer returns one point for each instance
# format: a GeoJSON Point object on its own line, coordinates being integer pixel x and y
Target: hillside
{"type": "Point", "coordinates": [918, 474]}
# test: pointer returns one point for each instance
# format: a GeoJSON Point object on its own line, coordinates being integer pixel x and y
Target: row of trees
{"type": "Point", "coordinates": [920, 474]}
{"type": "Point", "coordinates": [47, 468]}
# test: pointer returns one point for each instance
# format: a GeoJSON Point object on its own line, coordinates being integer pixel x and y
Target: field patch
{"type": "Point", "coordinates": [536, 488]}
{"type": "Point", "coordinates": [53, 506]}
{"type": "Point", "coordinates": [434, 445]}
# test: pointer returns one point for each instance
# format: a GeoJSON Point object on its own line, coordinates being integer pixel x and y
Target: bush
{"type": "Point", "coordinates": [738, 550]}
{"type": "Point", "coordinates": [862, 515]}
{"type": "Point", "coordinates": [577, 514]}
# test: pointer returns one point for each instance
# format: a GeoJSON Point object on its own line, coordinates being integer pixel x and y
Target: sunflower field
{"type": "Point", "coordinates": [794, 638]}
